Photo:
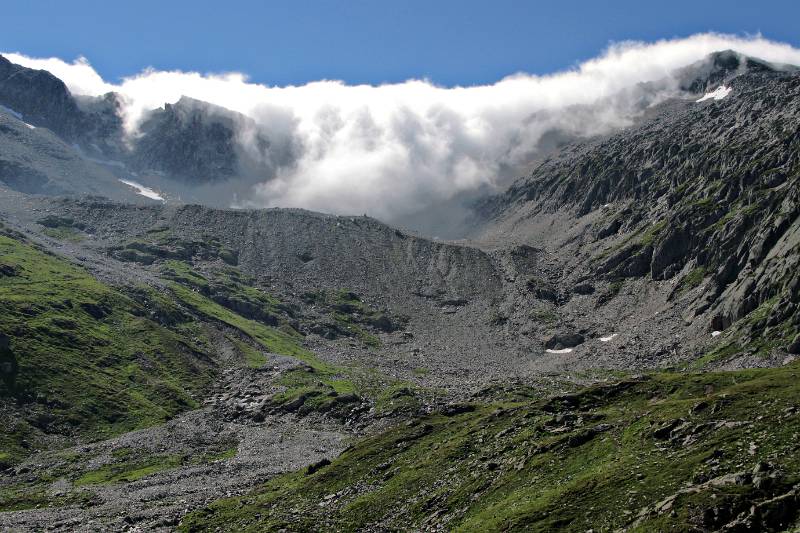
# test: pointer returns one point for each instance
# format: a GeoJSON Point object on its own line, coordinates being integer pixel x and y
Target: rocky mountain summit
{"type": "Point", "coordinates": [190, 142]}
{"type": "Point", "coordinates": [41, 98]}
{"type": "Point", "coordinates": [613, 349]}
{"type": "Point", "coordinates": [195, 142]}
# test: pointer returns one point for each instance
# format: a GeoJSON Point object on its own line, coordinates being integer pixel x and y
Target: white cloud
{"type": "Point", "coordinates": [79, 75]}
{"type": "Point", "coordinates": [392, 149]}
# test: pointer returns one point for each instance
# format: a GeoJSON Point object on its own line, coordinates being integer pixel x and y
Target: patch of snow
{"type": "Point", "coordinates": [608, 338]}
{"type": "Point", "coordinates": [147, 192]}
{"type": "Point", "coordinates": [563, 350]}
{"type": "Point", "coordinates": [718, 94]}
{"type": "Point", "coordinates": [716, 333]}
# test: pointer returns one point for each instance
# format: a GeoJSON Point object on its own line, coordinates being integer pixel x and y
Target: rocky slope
{"type": "Point", "coordinates": [34, 160]}
{"type": "Point", "coordinates": [699, 204]}
{"type": "Point", "coordinates": [441, 300]}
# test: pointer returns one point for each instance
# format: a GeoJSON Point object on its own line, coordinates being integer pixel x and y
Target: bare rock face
{"type": "Point", "coordinates": [564, 340]}
{"type": "Point", "coordinates": [190, 140]}
{"type": "Point", "coordinates": [794, 347]}
{"type": "Point", "coordinates": [41, 98]}
{"type": "Point", "coordinates": [669, 254]}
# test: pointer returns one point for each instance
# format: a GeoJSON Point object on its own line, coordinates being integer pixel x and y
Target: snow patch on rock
{"type": "Point", "coordinates": [147, 192]}
{"type": "Point", "coordinates": [609, 337]}
{"type": "Point", "coordinates": [563, 350]}
{"type": "Point", "coordinates": [718, 94]}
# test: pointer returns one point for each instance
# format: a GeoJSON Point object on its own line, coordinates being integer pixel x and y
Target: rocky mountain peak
{"type": "Point", "coordinates": [40, 97]}
{"type": "Point", "coordinates": [720, 67]}
{"type": "Point", "coordinates": [190, 140]}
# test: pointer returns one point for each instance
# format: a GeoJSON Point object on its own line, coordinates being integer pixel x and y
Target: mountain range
{"type": "Point", "coordinates": [611, 345]}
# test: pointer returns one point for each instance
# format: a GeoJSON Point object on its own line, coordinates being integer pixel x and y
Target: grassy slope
{"type": "Point", "coordinates": [321, 387]}
{"type": "Point", "coordinates": [272, 339]}
{"type": "Point", "coordinates": [554, 465]}
{"type": "Point", "coordinates": [90, 361]}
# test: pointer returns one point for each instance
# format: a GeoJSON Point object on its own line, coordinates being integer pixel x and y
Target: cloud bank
{"type": "Point", "coordinates": [393, 150]}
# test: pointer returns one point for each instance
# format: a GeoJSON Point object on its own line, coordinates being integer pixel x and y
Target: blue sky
{"type": "Point", "coordinates": [450, 42]}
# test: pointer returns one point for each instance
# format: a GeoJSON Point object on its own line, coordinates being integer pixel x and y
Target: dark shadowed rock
{"type": "Point", "coordinates": [41, 98]}
{"type": "Point", "coordinates": [8, 362]}
{"type": "Point", "coordinates": [317, 466]}
{"type": "Point", "coordinates": [583, 289]}
{"type": "Point", "coordinates": [96, 311]}
{"type": "Point", "coordinates": [564, 340]}
{"type": "Point", "coordinates": [794, 347]}
{"type": "Point", "coordinates": [671, 250]}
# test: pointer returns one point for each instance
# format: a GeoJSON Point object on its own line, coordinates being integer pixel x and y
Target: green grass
{"type": "Point", "coordinates": [124, 465]}
{"type": "Point", "coordinates": [546, 316]}
{"type": "Point", "coordinates": [311, 390]}
{"type": "Point", "coordinates": [90, 360]}
{"type": "Point", "coordinates": [719, 354]}
{"type": "Point", "coordinates": [241, 285]}
{"type": "Point", "coordinates": [536, 466]}
{"type": "Point", "coordinates": [231, 289]}
{"type": "Point", "coordinates": [223, 455]}
{"type": "Point", "coordinates": [750, 334]}
{"type": "Point", "coordinates": [270, 338]}
{"type": "Point", "coordinates": [691, 280]}
{"type": "Point", "coordinates": [132, 465]}
{"type": "Point", "coordinates": [348, 324]}
{"type": "Point", "coordinates": [352, 316]}
{"type": "Point", "coordinates": [183, 273]}
{"type": "Point", "coordinates": [644, 235]}
{"type": "Point", "coordinates": [253, 358]}
{"type": "Point", "coordinates": [130, 471]}
{"type": "Point", "coordinates": [63, 233]}
{"type": "Point", "coordinates": [399, 397]}
{"type": "Point", "coordinates": [736, 210]}
{"type": "Point", "coordinates": [320, 387]}
{"type": "Point", "coordinates": [652, 232]}
{"type": "Point", "coordinates": [22, 496]}
{"type": "Point", "coordinates": [160, 244]}
{"type": "Point", "coordinates": [704, 204]}
{"type": "Point", "coordinates": [227, 281]}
